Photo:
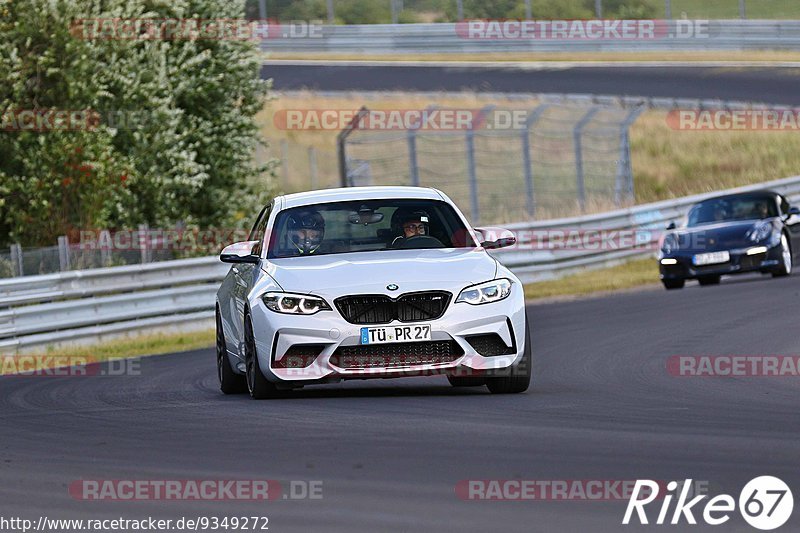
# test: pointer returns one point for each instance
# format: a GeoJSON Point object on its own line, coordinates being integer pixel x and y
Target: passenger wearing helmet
{"type": "Point", "coordinates": [411, 224]}
{"type": "Point", "coordinates": [305, 230]}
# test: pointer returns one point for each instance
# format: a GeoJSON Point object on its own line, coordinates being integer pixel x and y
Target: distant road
{"type": "Point", "coordinates": [775, 85]}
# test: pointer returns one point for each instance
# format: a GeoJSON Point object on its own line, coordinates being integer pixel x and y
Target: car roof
{"type": "Point", "coordinates": [758, 192]}
{"type": "Point", "coordinates": [359, 193]}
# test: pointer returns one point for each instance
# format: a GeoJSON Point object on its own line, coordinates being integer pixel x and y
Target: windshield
{"type": "Point", "coordinates": [369, 225]}
{"type": "Point", "coordinates": [732, 208]}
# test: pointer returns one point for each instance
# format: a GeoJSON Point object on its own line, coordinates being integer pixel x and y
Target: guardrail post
{"type": "Point", "coordinates": [16, 261]}
{"type": "Point", "coordinates": [63, 253]}
{"type": "Point", "coordinates": [667, 9]}
{"type": "Point", "coordinates": [623, 184]}
{"type": "Point", "coordinates": [330, 11]}
{"type": "Point", "coordinates": [598, 8]}
{"type": "Point", "coordinates": [473, 176]}
{"type": "Point", "coordinates": [742, 11]}
{"type": "Point", "coordinates": [105, 251]}
{"type": "Point", "coordinates": [527, 160]}
{"type": "Point", "coordinates": [471, 169]}
{"type": "Point", "coordinates": [576, 137]}
{"type": "Point", "coordinates": [460, 9]}
{"type": "Point", "coordinates": [285, 162]}
{"type": "Point", "coordinates": [143, 243]}
{"type": "Point", "coordinates": [312, 163]}
{"type": "Point", "coordinates": [413, 166]}
{"type": "Point", "coordinates": [341, 145]}
{"type": "Point", "coordinates": [528, 13]}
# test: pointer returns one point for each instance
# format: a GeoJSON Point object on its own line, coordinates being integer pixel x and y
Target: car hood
{"type": "Point", "coordinates": [718, 236]}
{"type": "Point", "coordinates": [370, 272]}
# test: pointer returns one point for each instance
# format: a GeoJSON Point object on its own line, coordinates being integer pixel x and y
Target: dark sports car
{"type": "Point", "coordinates": [747, 232]}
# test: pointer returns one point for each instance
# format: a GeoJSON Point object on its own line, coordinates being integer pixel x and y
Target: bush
{"type": "Point", "coordinates": [188, 162]}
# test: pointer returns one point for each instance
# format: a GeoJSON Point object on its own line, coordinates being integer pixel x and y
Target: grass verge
{"type": "Point", "coordinates": [142, 345]}
{"type": "Point", "coordinates": [637, 273]}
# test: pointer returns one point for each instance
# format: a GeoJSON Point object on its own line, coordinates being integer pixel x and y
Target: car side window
{"type": "Point", "coordinates": [260, 229]}
{"type": "Point", "coordinates": [784, 205]}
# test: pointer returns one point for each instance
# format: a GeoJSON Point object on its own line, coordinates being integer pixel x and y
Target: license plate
{"type": "Point", "coordinates": [383, 334]}
{"type": "Point", "coordinates": [712, 258]}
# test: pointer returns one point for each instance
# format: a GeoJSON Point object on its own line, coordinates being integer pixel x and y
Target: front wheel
{"type": "Point", "coordinates": [785, 268]}
{"type": "Point", "coordinates": [229, 381]}
{"type": "Point", "coordinates": [671, 284]}
{"type": "Point", "coordinates": [259, 387]}
{"type": "Point", "coordinates": [519, 377]}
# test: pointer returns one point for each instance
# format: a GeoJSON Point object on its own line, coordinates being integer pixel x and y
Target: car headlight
{"type": "Point", "coordinates": [484, 293]}
{"type": "Point", "coordinates": [761, 232]}
{"type": "Point", "coordinates": [670, 243]}
{"type": "Point", "coordinates": [294, 304]}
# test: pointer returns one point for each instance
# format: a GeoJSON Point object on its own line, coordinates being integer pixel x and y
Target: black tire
{"type": "Point", "coordinates": [671, 284]}
{"type": "Point", "coordinates": [257, 385]}
{"type": "Point", "coordinates": [708, 280]}
{"type": "Point", "coordinates": [466, 381]}
{"type": "Point", "coordinates": [786, 264]}
{"type": "Point", "coordinates": [518, 377]}
{"type": "Point", "coordinates": [229, 381]}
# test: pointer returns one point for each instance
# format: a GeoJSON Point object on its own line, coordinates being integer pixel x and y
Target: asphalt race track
{"type": "Point", "coordinates": [759, 84]}
{"type": "Point", "coordinates": [390, 453]}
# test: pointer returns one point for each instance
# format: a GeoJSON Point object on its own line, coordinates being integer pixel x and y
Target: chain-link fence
{"type": "Point", "coordinates": [553, 160]}
{"type": "Point", "coordinates": [118, 249]}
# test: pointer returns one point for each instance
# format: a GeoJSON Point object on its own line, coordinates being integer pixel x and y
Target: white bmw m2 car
{"type": "Point", "coordinates": [368, 282]}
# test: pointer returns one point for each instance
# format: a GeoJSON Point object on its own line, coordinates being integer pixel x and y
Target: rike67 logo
{"type": "Point", "coordinates": [765, 503]}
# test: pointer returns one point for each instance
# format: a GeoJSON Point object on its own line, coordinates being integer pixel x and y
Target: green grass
{"type": "Point", "coordinates": [729, 9]}
{"type": "Point", "coordinates": [637, 273]}
{"type": "Point", "coordinates": [149, 344]}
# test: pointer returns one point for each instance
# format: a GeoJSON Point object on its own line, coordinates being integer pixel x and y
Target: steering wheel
{"type": "Point", "coordinates": [420, 241]}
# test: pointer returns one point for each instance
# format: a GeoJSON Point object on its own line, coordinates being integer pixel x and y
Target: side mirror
{"type": "Point", "coordinates": [671, 225]}
{"type": "Point", "coordinates": [499, 243]}
{"type": "Point", "coordinates": [794, 210]}
{"type": "Point", "coordinates": [493, 238]}
{"type": "Point", "coordinates": [240, 252]}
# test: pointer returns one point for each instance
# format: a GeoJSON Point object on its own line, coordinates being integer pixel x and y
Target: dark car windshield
{"type": "Point", "coordinates": [367, 225]}
{"type": "Point", "coordinates": [753, 207]}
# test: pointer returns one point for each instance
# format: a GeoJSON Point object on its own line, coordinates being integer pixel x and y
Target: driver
{"type": "Point", "coordinates": [412, 224]}
{"type": "Point", "coordinates": [306, 229]}
{"type": "Point", "coordinates": [762, 210]}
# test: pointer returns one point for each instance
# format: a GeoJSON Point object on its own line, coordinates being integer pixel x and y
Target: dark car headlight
{"type": "Point", "coordinates": [294, 304]}
{"type": "Point", "coordinates": [484, 293]}
{"type": "Point", "coordinates": [670, 243]}
{"type": "Point", "coordinates": [761, 232]}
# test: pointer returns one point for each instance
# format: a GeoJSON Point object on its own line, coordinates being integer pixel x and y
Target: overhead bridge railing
{"type": "Point", "coordinates": [36, 311]}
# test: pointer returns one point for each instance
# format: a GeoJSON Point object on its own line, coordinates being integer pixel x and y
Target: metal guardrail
{"type": "Point", "coordinates": [37, 311]}
{"type": "Point", "coordinates": [42, 310]}
{"type": "Point", "coordinates": [648, 220]}
{"type": "Point", "coordinates": [450, 38]}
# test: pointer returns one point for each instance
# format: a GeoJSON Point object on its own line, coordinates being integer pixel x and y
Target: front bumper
{"type": "Point", "coordinates": [277, 333]}
{"type": "Point", "coordinates": [740, 262]}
